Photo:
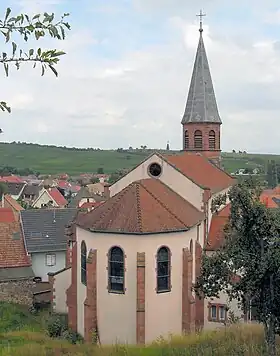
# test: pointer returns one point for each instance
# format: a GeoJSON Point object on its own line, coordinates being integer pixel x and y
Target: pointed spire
{"type": "Point", "coordinates": [201, 102]}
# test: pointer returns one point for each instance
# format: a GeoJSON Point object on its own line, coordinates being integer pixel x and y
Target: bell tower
{"type": "Point", "coordinates": [201, 121]}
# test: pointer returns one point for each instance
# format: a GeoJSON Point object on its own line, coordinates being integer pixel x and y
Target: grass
{"type": "Point", "coordinates": [23, 334]}
{"type": "Point", "coordinates": [53, 160]}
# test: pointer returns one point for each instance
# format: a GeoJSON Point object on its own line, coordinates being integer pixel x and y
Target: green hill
{"type": "Point", "coordinates": [52, 159]}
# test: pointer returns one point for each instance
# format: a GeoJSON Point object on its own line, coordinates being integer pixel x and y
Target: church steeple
{"type": "Point", "coordinates": [201, 120]}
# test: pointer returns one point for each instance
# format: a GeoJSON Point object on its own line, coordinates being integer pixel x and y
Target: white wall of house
{"type": "Point", "coordinates": [117, 312]}
{"type": "Point", "coordinates": [62, 281]}
{"type": "Point", "coordinates": [86, 200]}
{"type": "Point", "coordinates": [170, 176]}
{"type": "Point", "coordinates": [43, 198]}
{"type": "Point", "coordinates": [39, 263]}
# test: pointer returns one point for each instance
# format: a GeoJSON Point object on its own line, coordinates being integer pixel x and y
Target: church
{"type": "Point", "coordinates": [132, 261]}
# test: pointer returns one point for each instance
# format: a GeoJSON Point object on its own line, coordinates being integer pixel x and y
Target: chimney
{"type": "Point", "coordinates": [107, 190]}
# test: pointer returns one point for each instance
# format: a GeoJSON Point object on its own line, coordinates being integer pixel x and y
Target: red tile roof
{"type": "Point", "coordinates": [145, 206]}
{"type": "Point", "coordinates": [88, 205]}
{"type": "Point", "coordinates": [201, 171]}
{"type": "Point", "coordinates": [216, 231]}
{"type": "Point", "coordinates": [269, 196]}
{"type": "Point", "coordinates": [57, 196]}
{"type": "Point", "coordinates": [12, 203]}
{"type": "Point", "coordinates": [12, 249]}
{"type": "Point", "coordinates": [11, 179]}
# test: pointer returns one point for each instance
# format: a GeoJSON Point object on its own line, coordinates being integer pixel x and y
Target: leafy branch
{"type": "Point", "coordinates": [38, 26]}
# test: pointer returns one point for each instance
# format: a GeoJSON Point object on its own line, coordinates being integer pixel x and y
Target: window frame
{"type": "Point", "coordinates": [198, 136]}
{"type": "Point", "coordinates": [218, 307]}
{"type": "Point", "coordinates": [53, 257]}
{"type": "Point", "coordinates": [212, 140]}
{"type": "Point", "coordinates": [168, 275]}
{"type": "Point", "coordinates": [83, 263]}
{"type": "Point", "coordinates": [109, 270]}
{"type": "Point", "coordinates": [186, 140]}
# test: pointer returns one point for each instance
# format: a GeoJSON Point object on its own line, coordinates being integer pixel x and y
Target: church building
{"type": "Point", "coordinates": [132, 261]}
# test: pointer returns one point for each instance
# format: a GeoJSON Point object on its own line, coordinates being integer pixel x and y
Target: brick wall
{"type": "Point", "coordinates": [199, 303]}
{"type": "Point", "coordinates": [140, 311]}
{"type": "Point", "coordinates": [90, 304]}
{"type": "Point", "coordinates": [71, 293]}
{"type": "Point", "coordinates": [187, 297]}
{"type": "Point", "coordinates": [20, 292]}
{"type": "Point", "coordinates": [205, 128]}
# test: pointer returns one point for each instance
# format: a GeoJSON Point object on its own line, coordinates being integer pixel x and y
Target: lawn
{"type": "Point", "coordinates": [23, 334]}
{"type": "Point", "coordinates": [52, 159]}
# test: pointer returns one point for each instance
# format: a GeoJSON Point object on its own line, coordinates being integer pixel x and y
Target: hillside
{"type": "Point", "coordinates": [52, 159]}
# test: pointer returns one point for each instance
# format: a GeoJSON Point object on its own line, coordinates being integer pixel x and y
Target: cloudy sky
{"type": "Point", "coordinates": [125, 77]}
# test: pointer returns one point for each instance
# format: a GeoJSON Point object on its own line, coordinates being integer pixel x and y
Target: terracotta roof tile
{"type": "Point", "coordinates": [201, 171]}
{"type": "Point", "coordinates": [12, 203]}
{"type": "Point", "coordinates": [87, 205]}
{"type": "Point", "coordinates": [12, 249]}
{"type": "Point", "coordinates": [145, 206]}
{"type": "Point", "coordinates": [216, 231]}
{"type": "Point", "coordinates": [11, 179]}
{"type": "Point", "coordinates": [270, 198]}
{"type": "Point", "coordinates": [57, 196]}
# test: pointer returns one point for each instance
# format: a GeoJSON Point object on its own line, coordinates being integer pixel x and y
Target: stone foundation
{"type": "Point", "coordinates": [19, 292]}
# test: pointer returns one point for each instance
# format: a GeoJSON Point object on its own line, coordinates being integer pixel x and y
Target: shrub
{"type": "Point", "coordinates": [56, 326]}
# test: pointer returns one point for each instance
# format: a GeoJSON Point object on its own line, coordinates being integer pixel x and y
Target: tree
{"type": "Point", "coordinates": [250, 252]}
{"type": "Point", "coordinates": [3, 189]}
{"type": "Point", "coordinates": [100, 170]}
{"type": "Point", "coordinates": [27, 27]}
{"type": "Point", "coordinates": [94, 180]}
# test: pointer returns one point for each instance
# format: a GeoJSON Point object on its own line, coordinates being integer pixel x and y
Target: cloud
{"type": "Point", "coordinates": [136, 95]}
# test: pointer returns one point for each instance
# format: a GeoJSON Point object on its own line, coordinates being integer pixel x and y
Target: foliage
{"type": "Point", "coordinates": [37, 26]}
{"type": "Point", "coordinates": [56, 326]}
{"type": "Point", "coordinates": [3, 189]}
{"type": "Point", "coordinates": [251, 251]}
{"type": "Point", "coordinates": [232, 341]}
{"type": "Point", "coordinates": [100, 170]}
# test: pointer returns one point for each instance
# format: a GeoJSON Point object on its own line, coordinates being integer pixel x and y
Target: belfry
{"type": "Point", "coordinates": [201, 121]}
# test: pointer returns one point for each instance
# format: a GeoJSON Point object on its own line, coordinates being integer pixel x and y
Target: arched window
{"type": "Point", "coordinates": [186, 142]}
{"type": "Point", "coordinates": [83, 263]}
{"type": "Point", "coordinates": [212, 140]}
{"type": "Point", "coordinates": [116, 270]}
{"type": "Point", "coordinates": [163, 270]}
{"type": "Point", "coordinates": [198, 139]}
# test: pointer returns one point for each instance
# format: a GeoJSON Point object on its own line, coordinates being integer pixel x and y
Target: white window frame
{"type": "Point", "coordinates": [50, 259]}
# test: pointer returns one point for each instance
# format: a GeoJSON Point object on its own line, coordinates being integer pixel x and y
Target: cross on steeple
{"type": "Point", "coordinates": [201, 14]}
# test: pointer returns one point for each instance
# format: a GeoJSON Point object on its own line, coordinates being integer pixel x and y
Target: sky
{"type": "Point", "coordinates": [125, 77]}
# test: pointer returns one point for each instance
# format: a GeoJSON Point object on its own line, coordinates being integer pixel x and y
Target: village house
{"type": "Point", "coordinates": [16, 274]}
{"type": "Point", "coordinates": [132, 261]}
{"type": "Point", "coordinates": [86, 199]}
{"type": "Point", "coordinates": [50, 197]}
{"type": "Point", "coordinates": [15, 186]}
{"type": "Point", "coordinates": [45, 240]}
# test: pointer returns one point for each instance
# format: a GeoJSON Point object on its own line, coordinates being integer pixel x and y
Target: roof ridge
{"type": "Point", "coordinates": [163, 205]}
{"type": "Point", "coordinates": [138, 207]}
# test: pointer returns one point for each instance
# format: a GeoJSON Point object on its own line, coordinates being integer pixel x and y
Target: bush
{"type": "Point", "coordinates": [72, 336]}
{"type": "Point", "coordinates": [56, 326]}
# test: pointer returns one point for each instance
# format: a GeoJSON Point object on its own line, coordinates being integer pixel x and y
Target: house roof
{"type": "Point", "coordinates": [43, 229]}
{"type": "Point", "coordinates": [143, 207]}
{"type": "Point", "coordinates": [8, 200]}
{"type": "Point", "coordinates": [11, 179]}
{"type": "Point", "coordinates": [14, 188]}
{"type": "Point", "coordinates": [88, 205]}
{"type": "Point", "coordinates": [32, 189]}
{"type": "Point", "coordinates": [84, 193]}
{"type": "Point", "coordinates": [271, 198]}
{"type": "Point", "coordinates": [12, 248]}
{"type": "Point", "coordinates": [16, 273]}
{"type": "Point", "coordinates": [57, 196]}
{"type": "Point", "coordinates": [201, 103]}
{"type": "Point", "coordinates": [201, 171]}
{"type": "Point", "coordinates": [216, 231]}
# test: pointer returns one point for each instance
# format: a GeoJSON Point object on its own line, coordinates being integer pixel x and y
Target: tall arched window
{"type": "Point", "coordinates": [163, 270]}
{"type": "Point", "coordinates": [197, 139]}
{"type": "Point", "coordinates": [212, 140]}
{"type": "Point", "coordinates": [186, 142]}
{"type": "Point", "coordinates": [116, 270]}
{"type": "Point", "coordinates": [83, 263]}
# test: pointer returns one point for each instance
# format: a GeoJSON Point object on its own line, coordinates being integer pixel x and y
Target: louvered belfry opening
{"type": "Point", "coordinates": [186, 140]}
{"type": "Point", "coordinates": [212, 140]}
{"type": "Point", "coordinates": [198, 139]}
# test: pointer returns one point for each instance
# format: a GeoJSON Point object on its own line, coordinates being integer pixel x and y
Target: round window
{"type": "Point", "coordinates": [155, 169]}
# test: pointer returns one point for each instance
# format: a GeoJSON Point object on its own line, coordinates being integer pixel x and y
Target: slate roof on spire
{"type": "Point", "coordinates": [201, 102]}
